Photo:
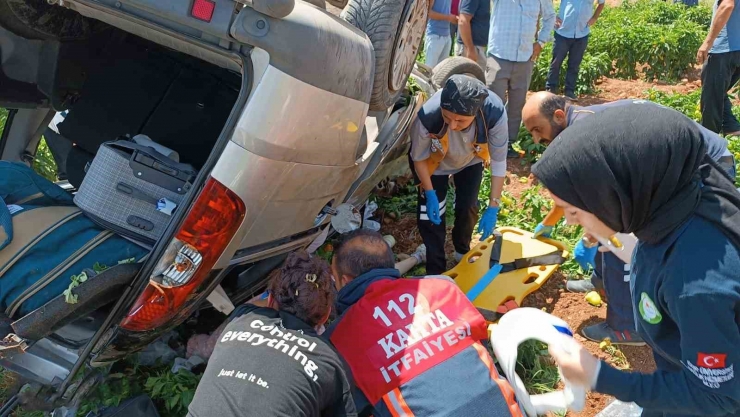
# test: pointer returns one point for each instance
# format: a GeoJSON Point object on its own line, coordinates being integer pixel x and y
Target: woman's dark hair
{"type": "Point", "coordinates": [303, 286]}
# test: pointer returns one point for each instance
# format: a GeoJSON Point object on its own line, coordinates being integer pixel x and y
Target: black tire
{"type": "Point", "coordinates": [37, 19]}
{"type": "Point", "coordinates": [395, 28]}
{"type": "Point", "coordinates": [456, 65]}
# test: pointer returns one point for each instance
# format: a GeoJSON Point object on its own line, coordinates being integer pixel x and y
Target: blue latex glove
{"type": "Point", "coordinates": [488, 222]}
{"type": "Point", "coordinates": [542, 230]}
{"type": "Point", "coordinates": [432, 207]}
{"type": "Point", "coordinates": [585, 256]}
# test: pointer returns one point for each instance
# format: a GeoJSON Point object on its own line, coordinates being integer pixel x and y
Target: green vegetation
{"type": "Point", "coordinates": [657, 39]}
{"type": "Point", "coordinates": [44, 163]}
{"type": "Point", "coordinates": [171, 393]}
{"type": "Point", "coordinates": [649, 39]}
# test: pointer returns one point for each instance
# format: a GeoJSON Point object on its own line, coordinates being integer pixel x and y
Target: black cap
{"type": "Point", "coordinates": [463, 95]}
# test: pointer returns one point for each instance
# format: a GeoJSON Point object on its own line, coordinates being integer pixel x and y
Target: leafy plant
{"type": "Point", "coordinates": [44, 163]}
{"type": "Point", "coordinates": [525, 143]}
{"type": "Point", "coordinates": [402, 203]}
{"type": "Point", "coordinates": [533, 365]}
{"type": "Point", "coordinates": [116, 388]}
{"type": "Point", "coordinates": [3, 118]}
{"type": "Point", "coordinates": [687, 104]}
{"type": "Point", "coordinates": [618, 358]}
{"type": "Point", "coordinates": [656, 39]}
{"type": "Point", "coordinates": [175, 391]}
{"type": "Point", "coordinates": [171, 393]}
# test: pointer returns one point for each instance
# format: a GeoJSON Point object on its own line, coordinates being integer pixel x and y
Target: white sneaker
{"type": "Point", "coordinates": [459, 256]}
{"type": "Point", "coordinates": [420, 254]}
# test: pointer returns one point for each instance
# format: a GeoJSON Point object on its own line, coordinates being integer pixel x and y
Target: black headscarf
{"type": "Point", "coordinates": [463, 95]}
{"type": "Point", "coordinates": [641, 172]}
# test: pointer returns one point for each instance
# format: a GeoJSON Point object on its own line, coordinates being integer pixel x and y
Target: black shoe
{"type": "Point", "coordinates": [602, 331]}
{"type": "Point", "coordinates": [579, 285]}
{"type": "Point", "coordinates": [571, 96]}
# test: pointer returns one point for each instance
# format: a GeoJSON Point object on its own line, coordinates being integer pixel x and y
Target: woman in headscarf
{"type": "Point", "coordinates": [655, 180]}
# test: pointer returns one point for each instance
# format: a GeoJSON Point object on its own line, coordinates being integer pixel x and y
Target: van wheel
{"type": "Point", "coordinates": [456, 65]}
{"type": "Point", "coordinates": [37, 19]}
{"type": "Point", "coordinates": [395, 28]}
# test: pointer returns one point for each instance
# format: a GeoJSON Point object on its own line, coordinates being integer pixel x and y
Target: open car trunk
{"type": "Point", "coordinates": [131, 87]}
{"type": "Point", "coordinates": [137, 87]}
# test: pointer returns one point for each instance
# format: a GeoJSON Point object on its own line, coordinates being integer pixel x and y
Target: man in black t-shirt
{"type": "Point", "coordinates": [269, 362]}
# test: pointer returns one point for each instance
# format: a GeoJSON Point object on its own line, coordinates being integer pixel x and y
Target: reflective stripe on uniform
{"type": "Point", "coordinates": [503, 385]}
{"type": "Point", "coordinates": [423, 210]}
{"type": "Point", "coordinates": [396, 404]}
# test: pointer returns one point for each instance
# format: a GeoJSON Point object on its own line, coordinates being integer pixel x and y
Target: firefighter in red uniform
{"type": "Point", "coordinates": [413, 346]}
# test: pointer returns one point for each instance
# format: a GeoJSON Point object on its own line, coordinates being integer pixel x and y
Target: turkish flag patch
{"type": "Point", "coordinates": [711, 360]}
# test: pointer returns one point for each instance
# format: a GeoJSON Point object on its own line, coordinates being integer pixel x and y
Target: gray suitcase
{"type": "Point", "coordinates": [132, 189]}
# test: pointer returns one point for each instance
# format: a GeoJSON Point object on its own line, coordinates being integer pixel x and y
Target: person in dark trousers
{"type": "Point", "coordinates": [572, 27]}
{"type": "Point", "coordinates": [270, 361]}
{"type": "Point", "coordinates": [458, 130]}
{"type": "Point", "coordinates": [546, 116]}
{"type": "Point", "coordinates": [658, 183]}
{"type": "Point", "coordinates": [414, 346]}
{"type": "Point", "coordinates": [720, 56]}
{"type": "Point", "coordinates": [472, 30]}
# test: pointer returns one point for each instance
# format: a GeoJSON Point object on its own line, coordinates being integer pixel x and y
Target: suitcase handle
{"type": "Point", "coordinates": [133, 146]}
{"type": "Point", "coordinates": [137, 194]}
{"type": "Point", "coordinates": [151, 166]}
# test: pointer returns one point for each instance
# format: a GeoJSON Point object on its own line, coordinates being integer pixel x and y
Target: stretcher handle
{"type": "Point", "coordinates": [525, 324]}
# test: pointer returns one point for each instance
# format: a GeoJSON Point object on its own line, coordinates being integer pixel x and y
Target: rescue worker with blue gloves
{"type": "Point", "coordinates": [457, 131]}
{"type": "Point", "coordinates": [659, 183]}
{"type": "Point", "coordinates": [547, 116]}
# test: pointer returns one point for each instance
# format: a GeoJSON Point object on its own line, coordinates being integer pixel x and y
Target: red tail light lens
{"type": "Point", "coordinates": [207, 230]}
{"type": "Point", "coordinates": [203, 10]}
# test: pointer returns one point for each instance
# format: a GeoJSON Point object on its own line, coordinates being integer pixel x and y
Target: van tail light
{"type": "Point", "coordinates": [189, 258]}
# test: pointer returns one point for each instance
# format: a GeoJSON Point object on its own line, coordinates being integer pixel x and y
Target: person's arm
{"type": "Point", "coordinates": [466, 35]}
{"type": "Point", "coordinates": [425, 177]}
{"type": "Point", "coordinates": [545, 31]}
{"type": "Point", "coordinates": [709, 342]}
{"type": "Point", "coordinates": [467, 10]}
{"type": "Point", "coordinates": [440, 16]}
{"type": "Point", "coordinates": [498, 144]}
{"type": "Point", "coordinates": [420, 152]}
{"type": "Point", "coordinates": [724, 11]}
{"type": "Point", "coordinates": [597, 13]}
